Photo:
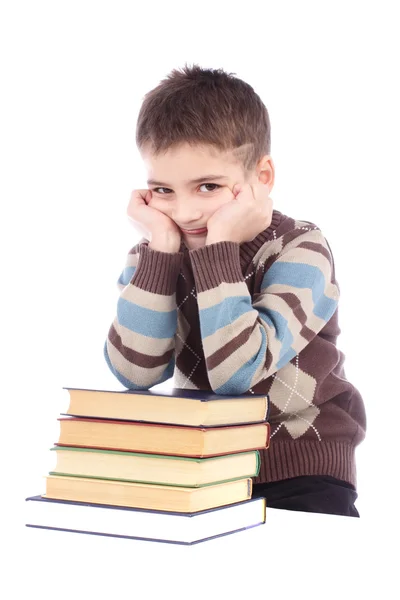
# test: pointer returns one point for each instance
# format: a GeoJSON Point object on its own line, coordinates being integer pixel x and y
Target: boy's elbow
{"type": "Point", "coordinates": [131, 385]}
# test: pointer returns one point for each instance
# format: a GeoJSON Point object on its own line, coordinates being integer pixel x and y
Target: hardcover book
{"type": "Point", "coordinates": [153, 468]}
{"type": "Point", "coordinates": [177, 406]}
{"type": "Point", "coordinates": [162, 439]}
{"type": "Point", "coordinates": [141, 495]}
{"type": "Point", "coordinates": [142, 524]}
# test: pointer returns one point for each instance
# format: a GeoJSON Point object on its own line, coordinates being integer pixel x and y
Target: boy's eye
{"type": "Point", "coordinates": [213, 185]}
{"type": "Point", "coordinates": [158, 190]}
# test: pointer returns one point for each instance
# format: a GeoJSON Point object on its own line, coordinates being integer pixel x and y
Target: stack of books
{"type": "Point", "coordinates": [173, 466]}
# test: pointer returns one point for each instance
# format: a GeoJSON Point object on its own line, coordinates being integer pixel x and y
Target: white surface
{"type": "Point", "coordinates": [74, 75]}
{"type": "Point", "coordinates": [294, 555]}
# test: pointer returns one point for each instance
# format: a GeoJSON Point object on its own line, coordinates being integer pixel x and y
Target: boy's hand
{"type": "Point", "coordinates": [162, 233]}
{"type": "Point", "coordinates": [244, 217]}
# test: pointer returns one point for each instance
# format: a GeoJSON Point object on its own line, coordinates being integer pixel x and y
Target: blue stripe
{"type": "Point", "coordinates": [294, 274]}
{"type": "Point", "coordinates": [167, 374]}
{"type": "Point", "coordinates": [240, 381]}
{"type": "Point", "coordinates": [126, 275]}
{"type": "Point", "coordinates": [302, 276]}
{"type": "Point", "coordinates": [222, 314]}
{"type": "Point", "coordinates": [325, 308]}
{"type": "Point", "coordinates": [148, 322]}
{"type": "Point", "coordinates": [284, 360]}
{"type": "Point", "coordinates": [278, 322]}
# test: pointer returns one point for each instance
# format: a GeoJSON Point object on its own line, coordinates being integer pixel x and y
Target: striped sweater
{"type": "Point", "coordinates": [259, 317]}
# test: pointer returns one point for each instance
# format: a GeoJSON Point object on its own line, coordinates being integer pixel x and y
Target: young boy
{"type": "Point", "coordinates": [227, 294]}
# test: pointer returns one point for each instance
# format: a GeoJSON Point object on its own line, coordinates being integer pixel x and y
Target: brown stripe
{"type": "Point", "coordinates": [290, 236]}
{"type": "Point", "coordinates": [274, 257]}
{"type": "Point", "coordinates": [138, 358]}
{"type": "Point", "coordinates": [229, 348]}
{"type": "Point", "coordinates": [268, 359]}
{"type": "Point", "coordinates": [294, 303]}
{"type": "Point", "coordinates": [316, 248]}
{"type": "Point", "coordinates": [307, 333]}
{"type": "Point", "coordinates": [322, 250]}
{"type": "Point", "coordinates": [225, 351]}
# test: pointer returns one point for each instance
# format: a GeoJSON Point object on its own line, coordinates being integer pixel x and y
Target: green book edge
{"type": "Point", "coordinates": [197, 460]}
{"type": "Point", "coordinates": [160, 483]}
{"type": "Point", "coordinates": [163, 456]}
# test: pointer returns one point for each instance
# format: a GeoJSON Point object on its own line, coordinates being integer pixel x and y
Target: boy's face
{"type": "Point", "coordinates": [189, 203]}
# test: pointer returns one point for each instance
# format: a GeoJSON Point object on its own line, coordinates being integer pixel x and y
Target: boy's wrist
{"type": "Point", "coordinates": [216, 239]}
{"type": "Point", "coordinates": [157, 272]}
{"type": "Point", "coordinates": [166, 243]}
{"type": "Point", "coordinates": [213, 264]}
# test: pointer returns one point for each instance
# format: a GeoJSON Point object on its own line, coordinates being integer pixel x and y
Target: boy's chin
{"type": "Point", "coordinates": [194, 243]}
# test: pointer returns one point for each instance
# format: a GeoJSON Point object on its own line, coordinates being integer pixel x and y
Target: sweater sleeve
{"type": "Point", "coordinates": [246, 339]}
{"type": "Point", "coordinates": [140, 345]}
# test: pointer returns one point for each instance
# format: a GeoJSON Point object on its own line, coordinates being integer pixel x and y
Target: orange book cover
{"type": "Point", "coordinates": [134, 425]}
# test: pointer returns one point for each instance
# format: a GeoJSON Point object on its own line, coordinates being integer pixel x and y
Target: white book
{"type": "Point", "coordinates": [159, 526]}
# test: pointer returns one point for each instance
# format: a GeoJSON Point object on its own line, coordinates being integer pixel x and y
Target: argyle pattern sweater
{"type": "Point", "coordinates": [259, 317]}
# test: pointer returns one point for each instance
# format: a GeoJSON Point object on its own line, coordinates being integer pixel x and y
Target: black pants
{"type": "Point", "coordinates": [322, 494]}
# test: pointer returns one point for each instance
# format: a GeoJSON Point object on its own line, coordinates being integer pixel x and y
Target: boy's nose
{"type": "Point", "coordinates": [184, 216]}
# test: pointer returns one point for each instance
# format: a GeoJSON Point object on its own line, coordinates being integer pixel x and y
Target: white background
{"type": "Point", "coordinates": [73, 76]}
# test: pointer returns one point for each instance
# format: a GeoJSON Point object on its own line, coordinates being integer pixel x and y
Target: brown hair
{"type": "Point", "coordinates": [205, 107]}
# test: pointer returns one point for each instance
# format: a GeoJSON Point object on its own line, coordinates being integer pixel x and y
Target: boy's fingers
{"type": "Point", "coordinates": [139, 196]}
{"type": "Point", "coordinates": [260, 190]}
{"type": "Point", "coordinates": [137, 199]}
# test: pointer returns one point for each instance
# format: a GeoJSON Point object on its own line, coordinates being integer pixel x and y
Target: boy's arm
{"type": "Point", "coordinates": [246, 341]}
{"type": "Point", "coordinates": [140, 345]}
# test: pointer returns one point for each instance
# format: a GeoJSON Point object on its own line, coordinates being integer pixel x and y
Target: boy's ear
{"type": "Point", "coordinates": [266, 171]}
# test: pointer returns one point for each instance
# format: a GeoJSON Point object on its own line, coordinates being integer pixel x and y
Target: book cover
{"type": "Point", "coordinates": [144, 524]}
{"type": "Point", "coordinates": [154, 468]}
{"type": "Point", "coordinates": [156, 438]}
{"type": "Point", "coordinates": [139, 495]}
{"type": "Point", "coordinates": [201, 395]}
{"type": "Point", "coordinates": [177, 406]}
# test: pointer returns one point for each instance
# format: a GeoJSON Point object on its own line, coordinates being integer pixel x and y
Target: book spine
{"type": "Point", "coordinates": [267, 407]}
{"type": "Point", "coordinates": [268, 438]}
{"type": "Point", "coordinates": [249, 487]}
{"type": "Point", "coordinates": [258, 463]}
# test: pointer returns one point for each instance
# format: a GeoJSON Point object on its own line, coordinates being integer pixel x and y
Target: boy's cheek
{"type": "Point", "coordinates": [227, 199]}
{"type": "Point", "coordinates": [215, 209]}
{"type": "Point", "coordinates": [158, 204]}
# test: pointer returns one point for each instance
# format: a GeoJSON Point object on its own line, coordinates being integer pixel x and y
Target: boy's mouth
{"type": "Point", "coordinates": [201, 231]}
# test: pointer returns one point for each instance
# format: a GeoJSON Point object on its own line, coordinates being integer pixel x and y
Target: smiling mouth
{"type": "Point", "coordinates": [199, 231]}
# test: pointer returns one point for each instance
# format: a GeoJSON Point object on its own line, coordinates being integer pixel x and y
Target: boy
{"type": "Point", "coordinates": [227, 294]}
